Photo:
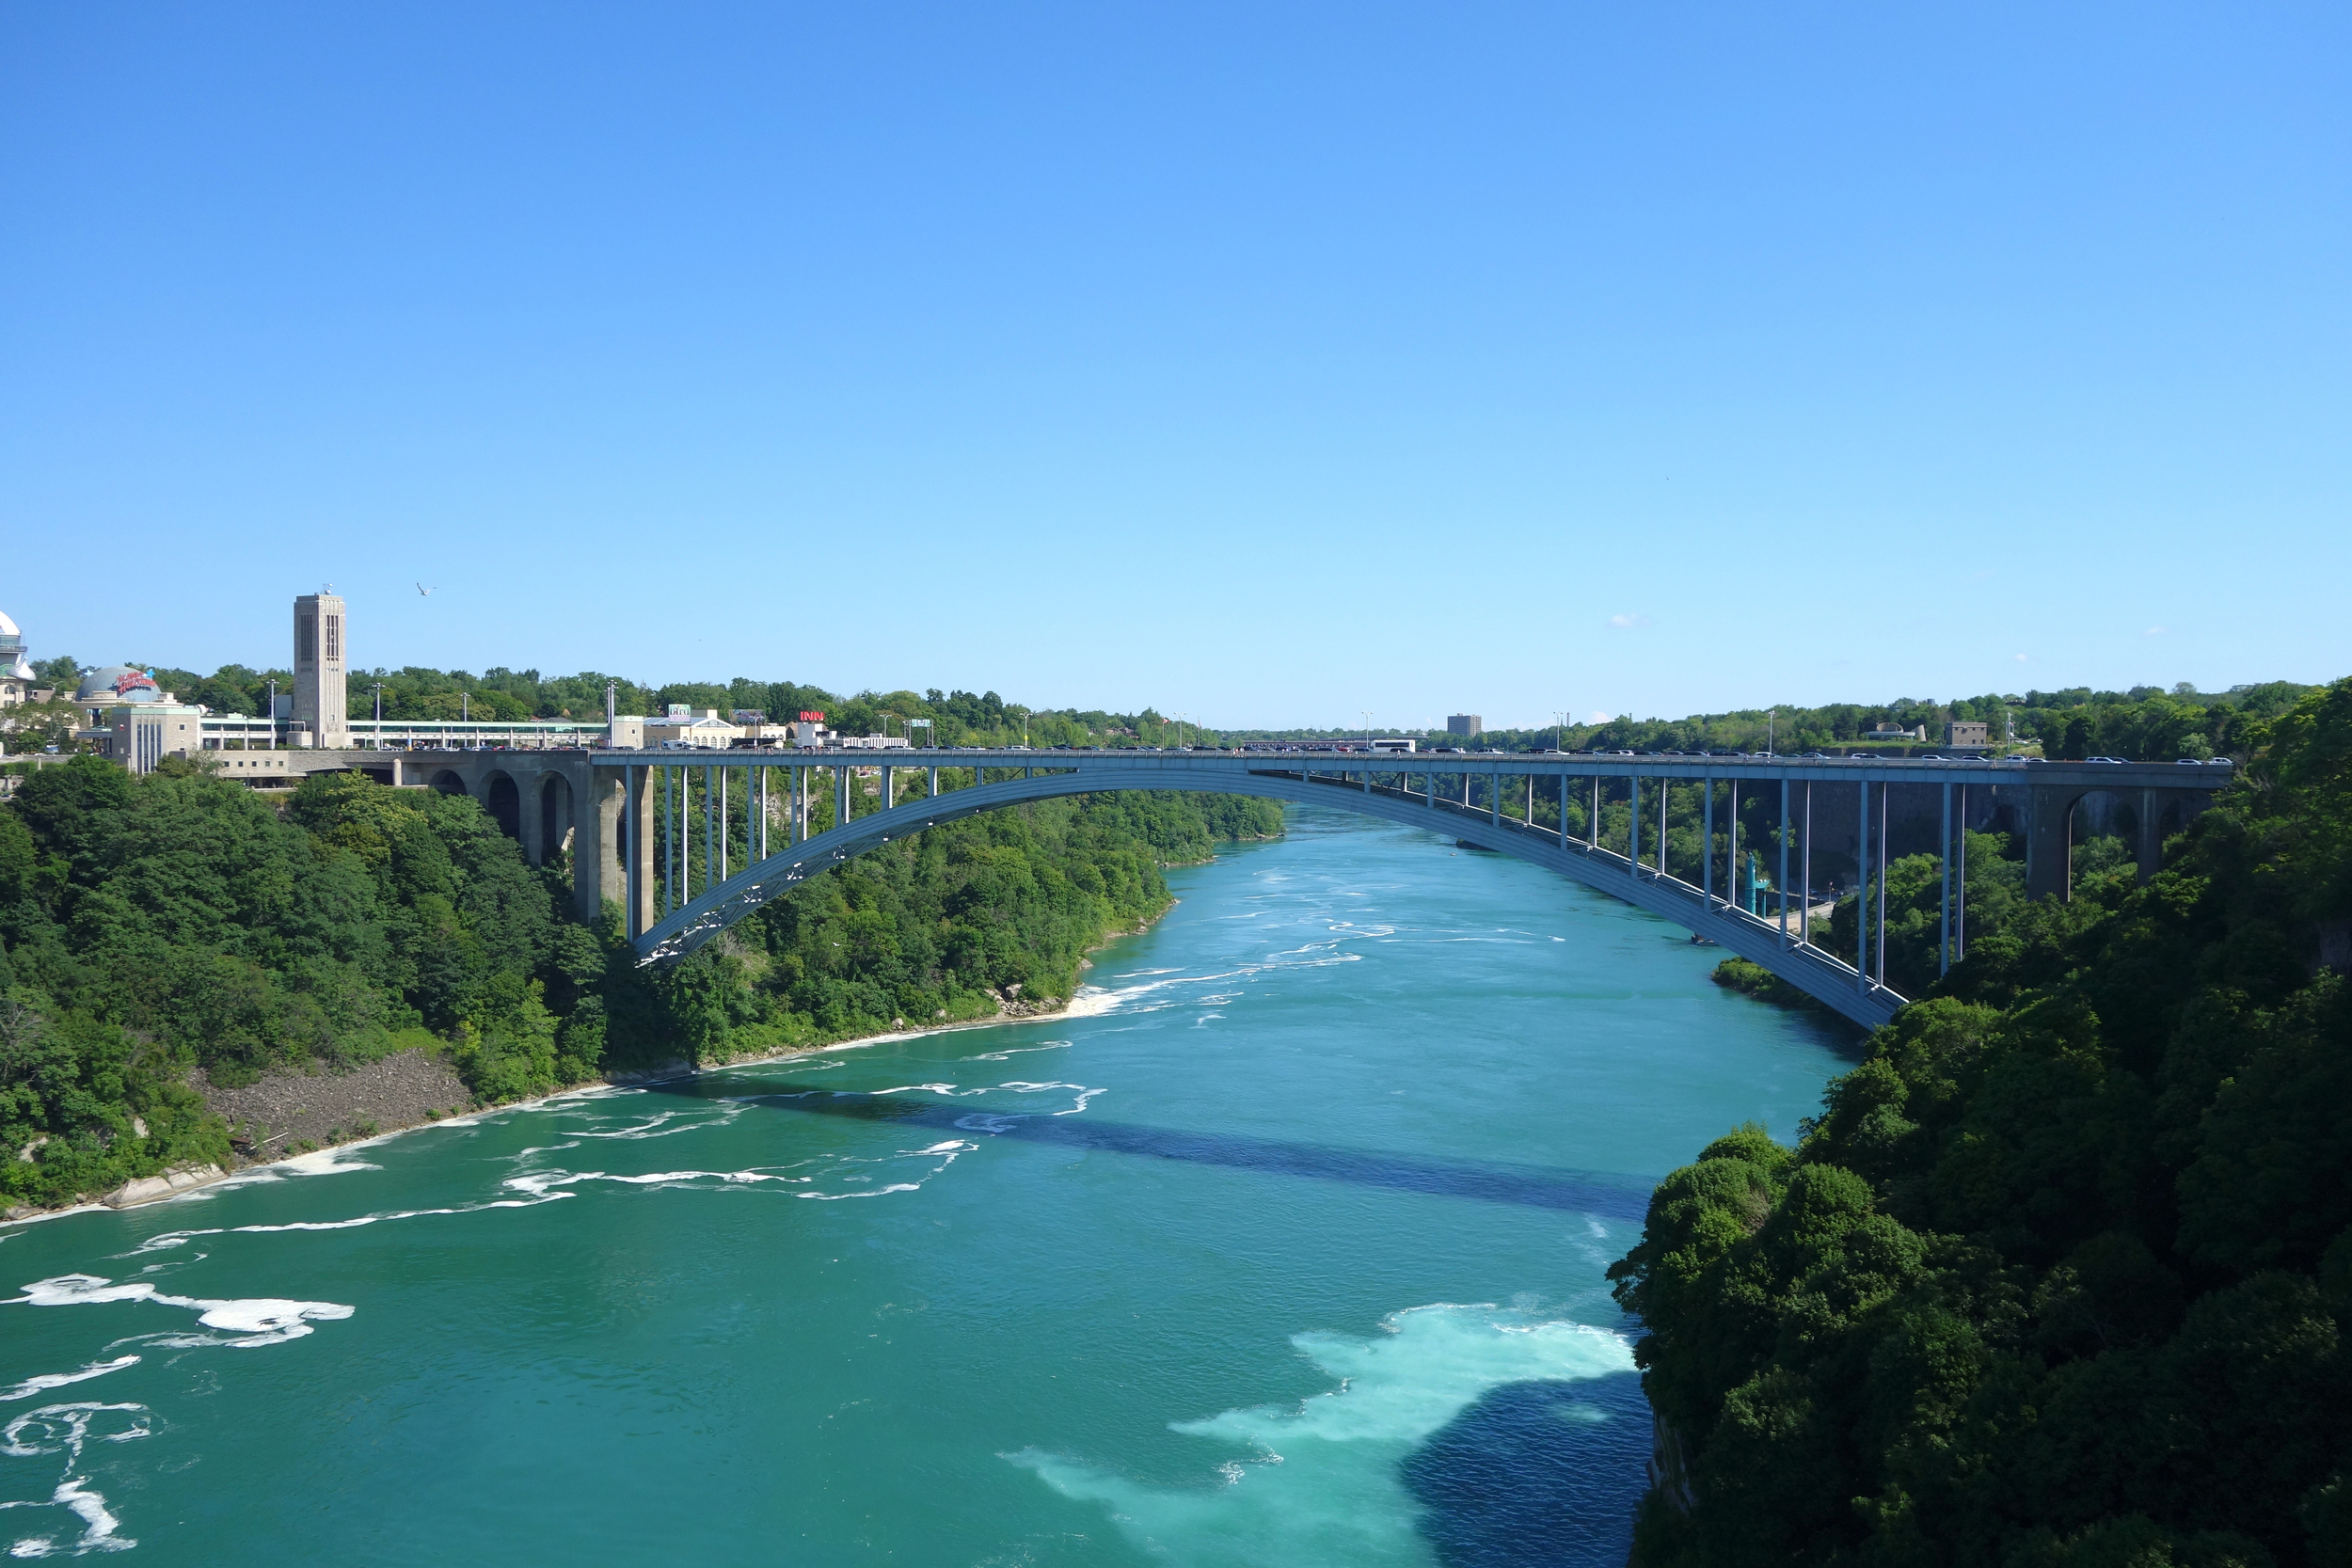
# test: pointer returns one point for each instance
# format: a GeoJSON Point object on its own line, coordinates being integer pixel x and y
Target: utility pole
{"type": "Point", "coordinates": [1772, 718]}
{"type": "Point", "coordinates": [273, 716]}
{"type": "Point", "coordinates": [379, 716]}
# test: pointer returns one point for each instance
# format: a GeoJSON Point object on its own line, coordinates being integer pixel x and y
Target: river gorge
{"type": "Point", "coordinates": [1286, 1245]}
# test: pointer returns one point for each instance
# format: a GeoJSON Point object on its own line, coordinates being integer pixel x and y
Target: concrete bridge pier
{"type": "Point", "coordinates": [2049, 840]}
{"type": "Point", "coordinates": [2149, 848]}
{"type": "Point", "coordinates": [530, 818]}
{"type": "Point", "coordinates": [598, 876]}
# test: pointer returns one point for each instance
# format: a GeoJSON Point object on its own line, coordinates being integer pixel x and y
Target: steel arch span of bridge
{"type": "Point", "coordinates": [1486, 799]}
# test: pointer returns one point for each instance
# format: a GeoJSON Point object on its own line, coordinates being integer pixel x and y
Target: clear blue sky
{"type": "Point", "coordinates": [1268, 363]}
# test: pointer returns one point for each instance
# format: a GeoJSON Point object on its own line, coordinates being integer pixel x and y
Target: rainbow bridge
{"type": "Point", "coordinates": [674, 880]}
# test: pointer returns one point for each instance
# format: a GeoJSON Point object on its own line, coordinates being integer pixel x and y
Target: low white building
{"type": "Point", "coordinates": [699, 728]}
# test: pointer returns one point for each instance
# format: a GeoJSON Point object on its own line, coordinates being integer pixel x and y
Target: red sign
{"type": "Point", "coordinates": [813, 718]}
{"type": "Point", "coordinates": [132, 680]}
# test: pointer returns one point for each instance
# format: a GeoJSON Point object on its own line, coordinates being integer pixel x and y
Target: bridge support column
{"type": "Point", "coordinates": [2049, 841]}
{"type": "Point", "coordinates": [2151, 845]}
{"type": "Point", "coordinates": [637, 881]}
{"type": "Point", "coordinates": [1862, 893]}
{"type": "Point", "coordinates": [596, 846]}
{"type": "Point", "coordinates": [1707, 860]}
{"type": "Point", "coordinates": [1944, 935]}
{"type": "Point", "coordinates": [529, 814]}
{"type": "Point", "coordinates": [640, 847]}
{"type": "Point", "coordinates": [1735, 884]}
{"type": "Point", "coordinates": [1783, 877]}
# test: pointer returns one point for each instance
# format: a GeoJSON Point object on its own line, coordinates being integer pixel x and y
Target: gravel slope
{"type": "Point", "coordinates": [268, 1117]}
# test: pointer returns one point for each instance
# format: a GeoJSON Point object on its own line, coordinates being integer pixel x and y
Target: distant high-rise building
{"type": "Point", "coordinates": [1464, 723]}
{"type": "Point", "coordinates": [318, 669]}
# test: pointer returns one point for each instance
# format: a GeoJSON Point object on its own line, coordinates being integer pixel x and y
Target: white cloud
{"type": "Point", "coordinates": [2157, 631]}
{"type": "Point", "coordinates": [1628, 621]}
{"type": "Point", "coordinates": [2021, 658]}
{"type": "Point", "coordinates": [1597, 717]}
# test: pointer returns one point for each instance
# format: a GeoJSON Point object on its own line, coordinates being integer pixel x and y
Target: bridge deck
{"type": "Point", "coordinates": [1996, 771]}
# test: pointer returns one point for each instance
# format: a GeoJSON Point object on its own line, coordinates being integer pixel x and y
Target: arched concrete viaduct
{"type": "Point", "coordinates": [542, 799]}
{"type": "Point", "coordinates": [1836, 985]}
{"type": "Point", "coordinates": [2050, 839]}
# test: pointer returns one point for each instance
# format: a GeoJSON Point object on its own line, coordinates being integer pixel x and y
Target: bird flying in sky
{"type": "Point", "coordinates": [426, 591]}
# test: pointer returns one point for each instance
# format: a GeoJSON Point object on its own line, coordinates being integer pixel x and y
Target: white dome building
{"type": "Point", "coordinates": [16, 671]}
{"type": "Point", "coordinates": [13, 663]}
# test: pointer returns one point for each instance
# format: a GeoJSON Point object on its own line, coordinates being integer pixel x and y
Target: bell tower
{"type": "Point", "coordinates": [318, 669]}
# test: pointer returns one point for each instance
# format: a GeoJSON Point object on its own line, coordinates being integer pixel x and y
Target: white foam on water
{"type": "Point", "coordinates": [1085, 1001]}
{"type": "Point", "coordinates": [1319, 1480]}
{"type": "Point", "coordinates": [165, 1241]}
{"type": "Point", "coordinates": [337, 1161]}
{"type": "Point", "coordinates": [252, 1322]}
{"type": "Point", "coordinates": [663, 1124]}
{"type": "Point", "coordinates": [65, 1429]}
{"type": "Point", "coordinates": [325, 1161]}
{"type": "Point", "coordinates": [46, 1381]}
{"type": "Point", "coordinates": [1011, 1051]}
{"type": "Point", "coordinates": [814, 1175]}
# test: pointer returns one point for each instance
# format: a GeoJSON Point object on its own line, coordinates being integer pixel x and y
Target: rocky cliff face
{"type": "Point", "coordinates": [1669, 1466]}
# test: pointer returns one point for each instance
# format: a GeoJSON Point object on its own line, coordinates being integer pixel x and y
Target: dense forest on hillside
{"type": "Point", "coordinates": [2059, 1276]}
{"type": "Point", "coordinates": [2144, 724]}
{"type": "Point", "coordinates": [150, 925]}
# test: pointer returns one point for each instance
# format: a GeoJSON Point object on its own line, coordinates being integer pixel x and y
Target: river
{"type": "Point", "coordinates": [1285, 1248]}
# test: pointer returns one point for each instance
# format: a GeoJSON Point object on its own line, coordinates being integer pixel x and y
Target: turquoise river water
{"type": "Point", "coordinates": [1285, 1247]}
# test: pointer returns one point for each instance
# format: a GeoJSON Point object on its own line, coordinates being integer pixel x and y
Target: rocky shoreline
{"type": "Point", "coordinates": [292, 1113]}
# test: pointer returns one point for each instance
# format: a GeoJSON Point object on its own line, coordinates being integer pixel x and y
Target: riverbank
{"type": "Point", "coordinates": [285, 1116]}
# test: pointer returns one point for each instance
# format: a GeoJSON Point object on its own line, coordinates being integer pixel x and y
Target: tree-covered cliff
{"type": "Point", "coordinates": [2059, 1277]}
